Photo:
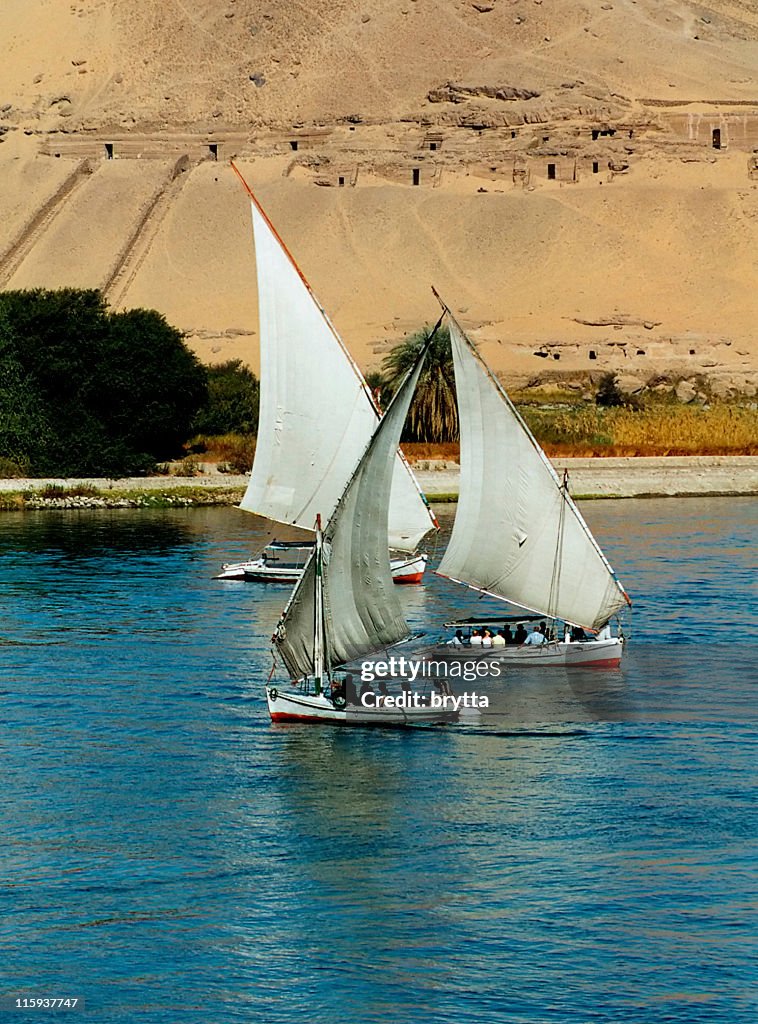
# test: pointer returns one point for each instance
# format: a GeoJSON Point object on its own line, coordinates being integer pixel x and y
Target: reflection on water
{"type": "Point", "coordinates": [581, 851]}
{"type": "Point", "coordinates": [92, 533]}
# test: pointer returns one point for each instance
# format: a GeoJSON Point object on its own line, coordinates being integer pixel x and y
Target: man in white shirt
{"type": "Point", "coordinates": [535, 637]}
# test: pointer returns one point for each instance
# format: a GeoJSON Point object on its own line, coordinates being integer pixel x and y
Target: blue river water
{"type": "Point", "coordinates": [583, 852]}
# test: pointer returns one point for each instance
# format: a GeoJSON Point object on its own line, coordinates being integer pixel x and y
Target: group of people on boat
{"type": "Point", "coordinates": [538, 634]}
{"type": "Point", "coordinates": [485, 637]}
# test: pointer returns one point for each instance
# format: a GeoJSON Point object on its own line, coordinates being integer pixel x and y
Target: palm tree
{"type": "Point", "coordinates": [433, 416]}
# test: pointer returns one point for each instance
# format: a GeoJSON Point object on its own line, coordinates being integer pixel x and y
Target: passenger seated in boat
{"type": "Point", "coordinates": [536, 637]}
{"type": "Point", "coordinates": [605, 632]}
{"type": "Point", "coordinates": [498, 639]}
{"type": "Point", "coordinates": [383, 692]}
{"type": "Point", "coordinates": [578, 634]}
{"type": "Point", "coordinates": [520, 635]}
{"type": "Point", "coordinates": [487, 639]}
{"type": "Point", "coordinates": [476, 637]}
{"type": "Point", "coordinates": [458, 640]}
{"type": "Point", "coordinates": [508, 635]}
{"type": "Point", "coordinates": [351, 694]}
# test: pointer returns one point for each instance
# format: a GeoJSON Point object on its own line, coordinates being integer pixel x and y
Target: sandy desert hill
{"type": "Point", "coordinates": [578, 179]}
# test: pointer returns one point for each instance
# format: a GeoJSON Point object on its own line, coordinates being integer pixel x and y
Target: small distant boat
{"type": "Point", "coordinates": [518, 535]}
{"type": "Point", "coordinates": [280, 562]}
{"type": "Point", "coordinates": [284, 562]}
{"type": "Point", "coordinates": [344, 606]}
{"type": "Point", "coordinates": [317, 414]}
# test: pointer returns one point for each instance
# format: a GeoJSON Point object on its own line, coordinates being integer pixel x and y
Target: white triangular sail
{"type": "Point", "coordinates": [361, 609]}
{"type": "Point", "coordinates": [316, 412]}
{"type": "Point", "coordinates": [517, 533]}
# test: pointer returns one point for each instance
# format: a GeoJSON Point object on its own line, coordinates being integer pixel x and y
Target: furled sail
{"type": "Point", "coordinates": [316, 412]}
{"type": "Point", "coordinates": [517, 533]}
{"type": "Point", "coordinates": [362, 611]}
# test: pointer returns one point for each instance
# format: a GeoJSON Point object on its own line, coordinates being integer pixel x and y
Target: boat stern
{"type": "Point", "coordinates": [408, 570]}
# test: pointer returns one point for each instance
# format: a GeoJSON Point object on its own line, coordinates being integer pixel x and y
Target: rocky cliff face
{"type": "Point", "coordinates": [237, 63]}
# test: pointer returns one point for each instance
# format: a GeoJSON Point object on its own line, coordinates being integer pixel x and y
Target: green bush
{"type": "Point", "coordinates": [232, 405]}
{"type": "Point", "coordinates": [608, 394]}
{"type": "Point", "coordinates": [10, 469]}
{"type": "Point", "coordinates": [88, 392]}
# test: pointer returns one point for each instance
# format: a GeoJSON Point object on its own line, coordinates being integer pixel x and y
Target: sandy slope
{"type": "Point", "coordinates": [661, 258]}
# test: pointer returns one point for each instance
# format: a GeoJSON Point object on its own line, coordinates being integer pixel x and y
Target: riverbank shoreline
{"type": "Point", "coordinates": [674, 476]}
{"type": "Point", "coordinates": [629, 477]}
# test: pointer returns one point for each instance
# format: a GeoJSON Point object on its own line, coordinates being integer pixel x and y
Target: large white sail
{"type": "Point", "coordinates": [517, 533]}
{"type": "Point", "coordinates": [361, 609]}
{"type": "Point", "coordinates": [316, 412]}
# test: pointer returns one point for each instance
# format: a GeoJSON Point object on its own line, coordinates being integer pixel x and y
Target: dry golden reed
{"type": "Point", "coordinates": [662, 429]}
{"type": "Point", "coordinates": [236, 451]}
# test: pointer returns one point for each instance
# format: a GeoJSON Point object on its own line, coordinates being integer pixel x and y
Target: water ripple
{"type": "Point", "coordinates": [581, 852]}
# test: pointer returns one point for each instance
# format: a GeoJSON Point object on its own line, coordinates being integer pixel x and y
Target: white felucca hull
{"type": "Point", "coordinates": [311, 707]}
{"type": "Point", "coordinates": [404, 571]}
{"type": "Point", "coordinates": [257, 571]}
{"type": "Point", "coordinates": [592, 654]}
{"type": "Point", "coordinates": [260, 572]}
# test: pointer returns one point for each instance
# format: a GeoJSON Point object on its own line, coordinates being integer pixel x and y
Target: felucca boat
{"type": "Point", "coordinates": [518, 535]}
{"type": "Point", "coordinates": [283, 561]}
{"type": "Point", "coordinates": [317, 415]}
{"type": "Point", "coordinates": [344, 607]}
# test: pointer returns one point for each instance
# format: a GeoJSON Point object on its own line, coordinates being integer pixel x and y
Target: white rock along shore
{"type": "Point", "coordinates": [674, 476]}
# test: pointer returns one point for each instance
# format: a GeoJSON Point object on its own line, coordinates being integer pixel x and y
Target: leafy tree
{"type": "Point", "coordinates": [152, 387]}
{"type": "Point", "coordinates": [87, 392]}
{"type": "Point", "coordinates": [24, 430]}
{"type": "Point", "coordinates": [56, 338]}
{"type": "Point", "coordinates": [232, 405]}
{"type": "Point", "coordinates": [433, 416]}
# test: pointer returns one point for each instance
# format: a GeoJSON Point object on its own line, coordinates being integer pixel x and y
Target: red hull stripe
{"type": "Point", "coordinates": [605, 663]}
{"type": "Point", "coordinates": [285, 716]}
